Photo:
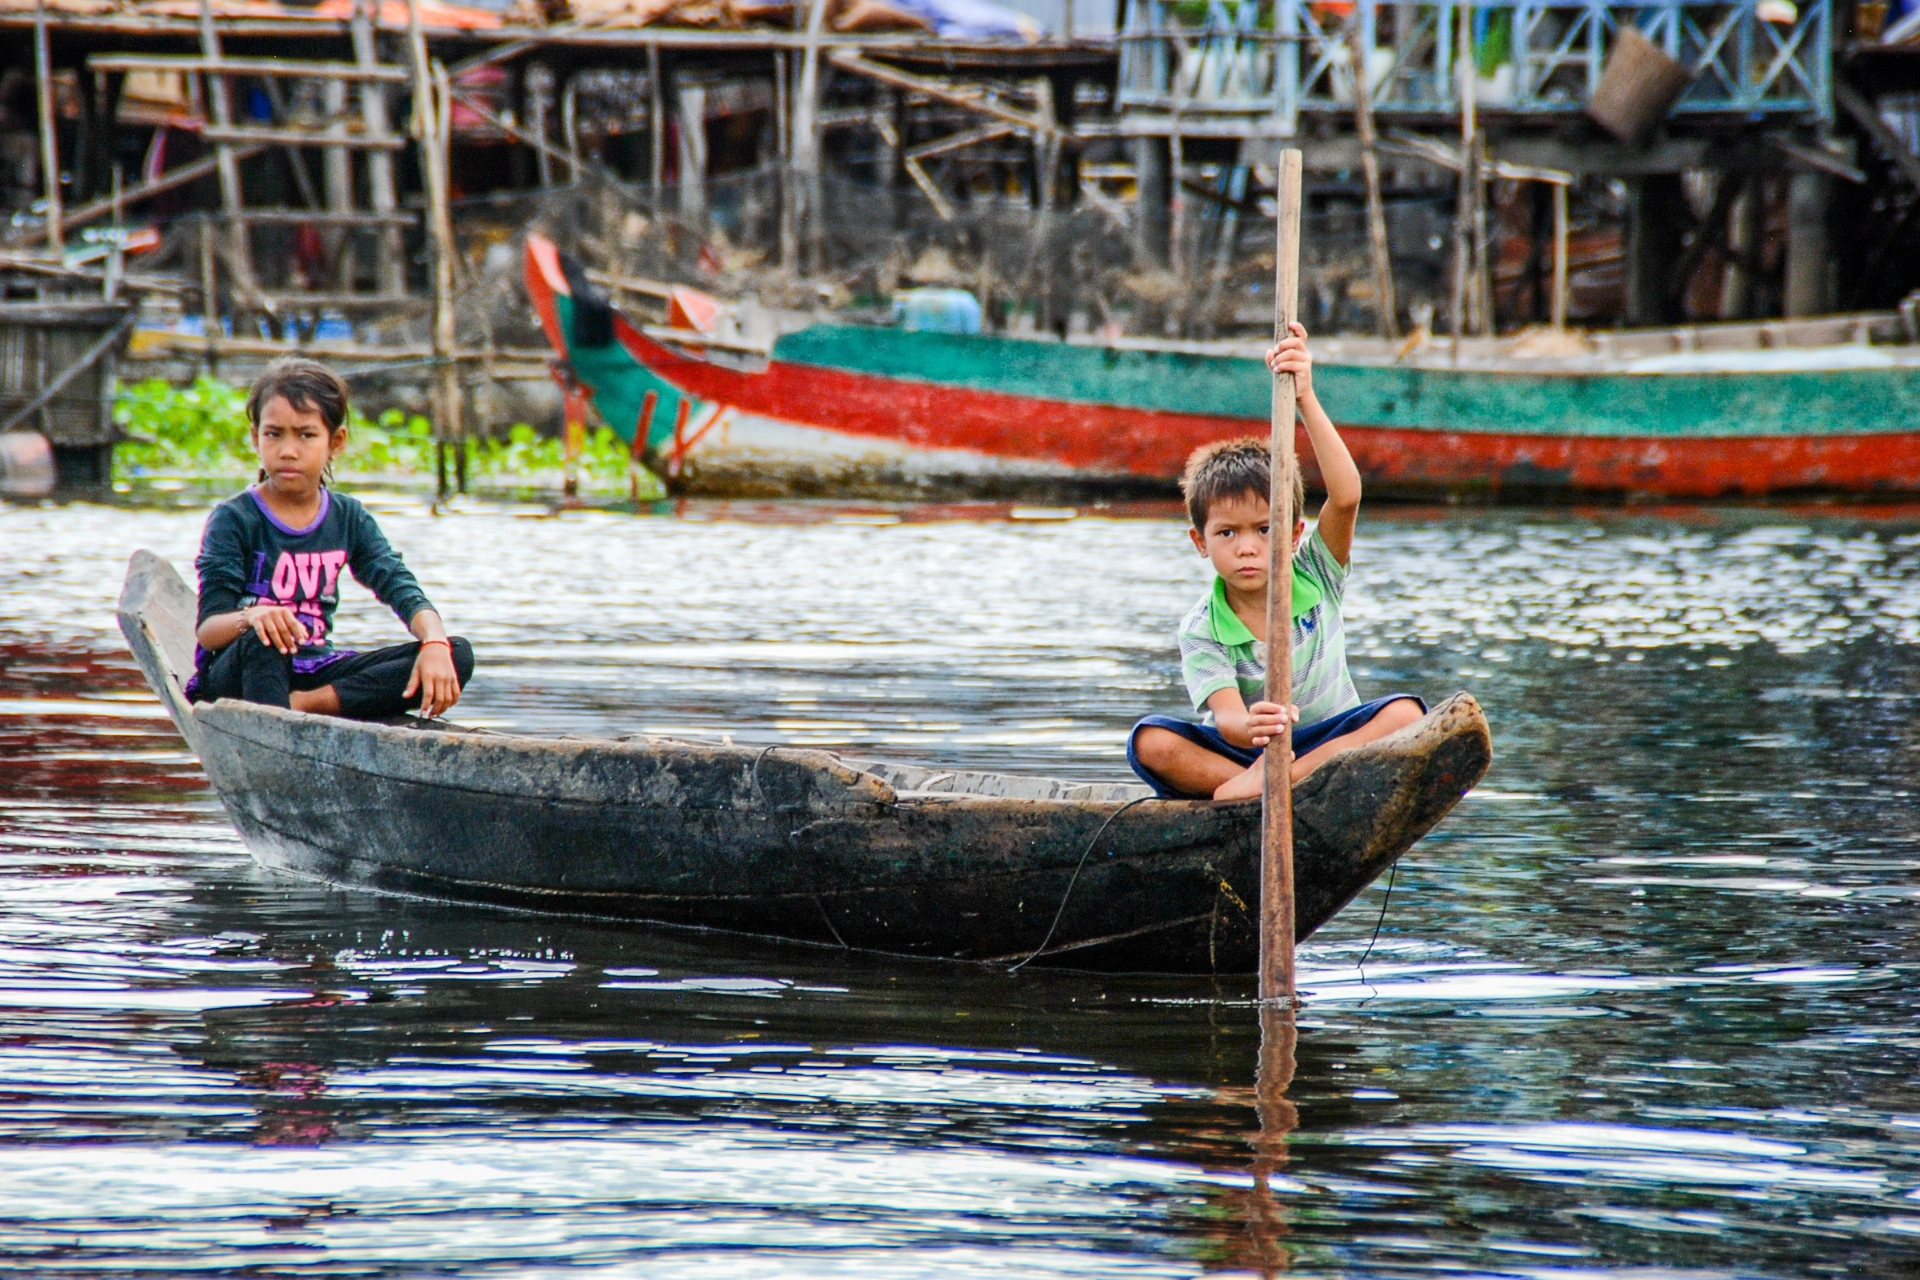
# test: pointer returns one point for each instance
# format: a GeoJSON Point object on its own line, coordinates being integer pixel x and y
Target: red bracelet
{"type": "Point", "coordinates": [448, 643]}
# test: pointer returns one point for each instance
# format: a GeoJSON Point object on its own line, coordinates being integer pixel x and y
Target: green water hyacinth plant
{"type": "Point", "coordinates": [199, 432]}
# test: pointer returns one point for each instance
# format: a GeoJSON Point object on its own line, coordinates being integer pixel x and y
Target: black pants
{"type": "Point", "coordinates": [368, 685]}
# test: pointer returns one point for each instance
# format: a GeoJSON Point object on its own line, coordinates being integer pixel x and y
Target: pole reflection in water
{"type": "Point", "coordinates": [1279, 1117]}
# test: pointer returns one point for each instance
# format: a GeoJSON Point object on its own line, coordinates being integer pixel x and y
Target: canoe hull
{"type": "Point", "coordinates": [792, 843]}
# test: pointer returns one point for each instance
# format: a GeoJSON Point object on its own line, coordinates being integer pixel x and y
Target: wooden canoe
{"type": "Point", "coordinates": [792, 843]}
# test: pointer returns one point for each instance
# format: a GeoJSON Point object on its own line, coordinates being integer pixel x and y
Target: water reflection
{"type": "Point", "coordinates": [1646, 1001]}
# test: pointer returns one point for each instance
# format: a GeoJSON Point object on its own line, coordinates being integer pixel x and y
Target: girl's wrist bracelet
{"type": "Point", "coordinates": [448, 643]}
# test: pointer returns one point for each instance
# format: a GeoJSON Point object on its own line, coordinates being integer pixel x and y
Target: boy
{"type": "Point", "coordinates": [1223, 648]}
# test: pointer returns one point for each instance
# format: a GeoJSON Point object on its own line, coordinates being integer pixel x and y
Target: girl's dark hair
{"type": "Point", "coordinates": [1228, 468]}
{"type": "Point", "coordinates": [306, 385]}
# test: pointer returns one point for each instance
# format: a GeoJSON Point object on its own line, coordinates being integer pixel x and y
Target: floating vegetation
{"type": "Point", "coordinates": [199, 432]}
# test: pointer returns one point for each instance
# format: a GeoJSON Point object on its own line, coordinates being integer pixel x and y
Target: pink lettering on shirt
{"type": "Point", "coordinates": [308, 563]}
{"type": "Point", "coordinates": [286, 576]}
{"type": "Point", "coordinates": [331, 561]}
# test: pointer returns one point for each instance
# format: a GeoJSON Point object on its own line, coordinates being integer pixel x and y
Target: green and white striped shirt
{"type": "Point", "coordinates": [1218, 652]}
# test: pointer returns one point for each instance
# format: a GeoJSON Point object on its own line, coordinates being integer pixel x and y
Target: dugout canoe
{"type": "Point", "coordinates": [836, 410]}
{"type": "Point", "coordinates": [792, 843]}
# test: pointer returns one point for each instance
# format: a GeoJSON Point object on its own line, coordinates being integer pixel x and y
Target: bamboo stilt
{"type": "Point", "coordinates": [1383, 293]}
{"type": "Point", "coordinates": [806, 133]}
{"type": "Point", "coordinates": [656, 126]}
{"type": "Point", "coordinates": [232, 201]}
{"type": "Point", "coordinates": [49, 138]}
{"type": "Point", "coordinates": [390, 263]}
{"type": "Point", "coordinates": [431, 93]}
{"type": "Point", "coordinates": [1276, 846]}
{"type": "Point", "coordinates": [642, 427]}
{"type": "Point", "coordinates": [1463, 199]}
{"type": "Point", "coordinates": [1559, 255]}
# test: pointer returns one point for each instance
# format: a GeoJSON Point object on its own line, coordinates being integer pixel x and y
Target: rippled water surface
{"type": "Point", "coordinates": [1645, 1004]}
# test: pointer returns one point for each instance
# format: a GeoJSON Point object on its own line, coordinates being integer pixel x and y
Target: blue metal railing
{"type": "Point", "coordinates": [1272, 59]}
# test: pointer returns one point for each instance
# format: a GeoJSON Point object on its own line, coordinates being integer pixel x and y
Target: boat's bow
{"type": "Point", "coordinates": [157, 612]}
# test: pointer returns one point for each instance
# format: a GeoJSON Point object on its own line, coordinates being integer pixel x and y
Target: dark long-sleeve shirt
{"type": "Point", "coordinates": [247, 556]}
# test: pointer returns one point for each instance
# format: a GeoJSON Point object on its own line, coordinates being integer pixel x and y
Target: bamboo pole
{"type": "Point", "coordinates": [641, 427]}
{"type": "Point", "coordinates": [1383, 295]}
{"type": "Point", "coordinates": [390, 260]}
{"type": "Point", "coordinates": [209, 297]}
{"type": "Point", "coordinates": [1276, 846]}
{"type": "Point", "coordinates": [232, 201]}
{"type": "Point", "coordinates": [49, 139]}
{"type": "Point", "coordinates": [806, 133]}
{"type": "Point", "coordinates": [1482, 308]}
{"type": "Point", "coordinates": [570, 125]}
{"type": "Point", "coordinates": [1559, 255]}
{"type": "Point", "coordinates": [433, 173]}
{"type": "Point", "coordinates": [656, 127]}
{"type": "Point", "coordinates": [1463, 198]}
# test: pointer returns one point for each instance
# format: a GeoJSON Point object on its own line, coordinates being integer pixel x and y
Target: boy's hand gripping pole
{"type": "Point", "coordinates": [1276, 826]}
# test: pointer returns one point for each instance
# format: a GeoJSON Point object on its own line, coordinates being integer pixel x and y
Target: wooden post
{"type": "Point", "coordinates": [539, 122]}
{"type": "Point", "coordinates": [390, 263]}
{"type": "Point", "coordinates": [433, 171]}
{"type": "Point", "coordinates": [1383, 295]}
{"type": "Point", "coordinates": [806, 129]}
{"type": "Point", "coordinates": [209, 296]}
{"type": "Point", "coordinates": [570, 125]}
{"type": "Point", "coordinates": [1463, 198]}
{"type": "Point", "coordinates": [337, 178]}
{"type": "Point", "coordinates": [1559, 255]}
{"type": "Point", "coordinates": [656, 127]}
{"type": "Point", "coordinates": [49, 138]}
{"type": "Point", "coordinates": [232, 202]}
{"type": "Point", "coordinates": [1276, 845]}
{"type": "Point", "coordinates": [1482, 308]}
{"type": "Point", "coordinates": [641, 426]}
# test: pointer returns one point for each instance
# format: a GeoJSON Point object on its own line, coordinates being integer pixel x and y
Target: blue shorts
{"type": "Point", "coordinates": [1305, 737]}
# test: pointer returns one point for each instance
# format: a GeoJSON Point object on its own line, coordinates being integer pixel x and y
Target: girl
{"type": "Point", "coordinates": [270, 563]}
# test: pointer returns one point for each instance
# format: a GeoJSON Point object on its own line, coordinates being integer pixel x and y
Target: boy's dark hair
{"type": "Point", "coordinates": [305, 384]}
{"type": "Point", "coordinates": [1229, 468]}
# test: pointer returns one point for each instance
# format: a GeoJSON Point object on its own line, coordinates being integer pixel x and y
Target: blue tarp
{"type": "Point", "coordinates": [972, 19]}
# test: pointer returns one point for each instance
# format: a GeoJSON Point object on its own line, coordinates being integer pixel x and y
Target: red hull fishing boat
{"type": "Point", "coordinates": [834, 410]}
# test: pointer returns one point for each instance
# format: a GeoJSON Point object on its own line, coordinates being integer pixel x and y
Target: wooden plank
{"type": "Point", "coordinates": [959, 140]}
{"type": "Point", "coordinates": [167, 181]}
{"type": "Point", "coordinates": [1883, 137]}
{"type": "Point", "coordinates": [940, 90]}
{"type": "Point", "coordinates": [270, 137]}
{"type": "Point", "coordinates": [298, 299]}
{"type": "Point", "coordinates": [328, 218]}
{"type": "Point", "coordinates": [287, 67]}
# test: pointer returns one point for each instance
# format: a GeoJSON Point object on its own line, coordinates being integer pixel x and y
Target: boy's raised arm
{"type": "Point", "coordinates": [1337, 470]}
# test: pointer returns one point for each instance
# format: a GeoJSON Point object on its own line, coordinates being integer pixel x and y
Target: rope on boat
{"type": "Point", "coordinates": [1075, 879]}
{"type": "Point", "coordinates": [1392, 871]}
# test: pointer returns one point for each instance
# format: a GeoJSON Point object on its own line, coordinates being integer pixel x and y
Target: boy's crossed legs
{"type": "Point", "coordinates": [1185, 760]}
